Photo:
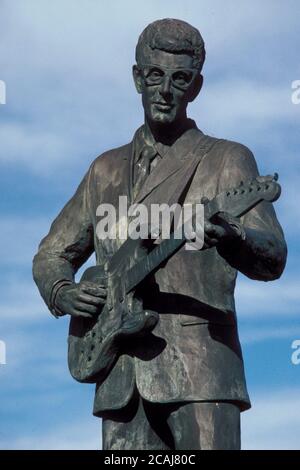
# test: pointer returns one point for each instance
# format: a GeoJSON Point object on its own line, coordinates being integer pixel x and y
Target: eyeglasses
{"type": "Point", "coordinates": [180, 78]}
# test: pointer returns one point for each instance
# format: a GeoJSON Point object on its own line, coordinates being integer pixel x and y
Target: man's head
{"type": "Point", "coordinates": [170, 55]}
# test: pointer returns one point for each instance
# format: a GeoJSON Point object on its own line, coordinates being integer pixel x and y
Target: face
{"type": "Point", "coordinates": [167, 83]}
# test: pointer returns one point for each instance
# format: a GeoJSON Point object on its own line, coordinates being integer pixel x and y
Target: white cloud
{"type": "Point", "coordinates": [38, 149]}
{"type": "Point", "coordinates": [235, 108]}
{"type": "Point", "coordinates": [76, 97]}
{"type": "Point", "coordinates": [273, 421]}
{"type": "Point", "coordinates": [20, 237]}
{"type": "Point", "coordinates": [289, 213]}
{"type": "Point", "coordinates": [72, 22]}
{"type": "Point", "coordinates": [259, 334]}
{"type": "Point", "coordinates": [25, 349]}
{"type": "Point", "coordinates": [271, 424]}
{"type": "Point", "coordinates": [19, 296]}
{"type": "Point", "coordinates": [260, 299]}
{"type": "Point", "coordinates": [84, 434]}
{"type": "Point", "coordinates": [21, 302]}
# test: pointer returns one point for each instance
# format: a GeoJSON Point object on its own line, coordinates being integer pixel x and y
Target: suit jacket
{"type": "Point", "coordinates": [194, 352]}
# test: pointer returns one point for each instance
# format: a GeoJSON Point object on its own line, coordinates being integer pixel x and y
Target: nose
{"type": "Point", "coordinates": [165, 89]}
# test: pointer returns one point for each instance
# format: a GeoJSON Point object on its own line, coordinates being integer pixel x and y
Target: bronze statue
{"type": "Point", "coordinates": [154, 325]}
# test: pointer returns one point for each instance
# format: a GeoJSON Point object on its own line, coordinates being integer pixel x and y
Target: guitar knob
{"type": "Point", "coordinates": [204, 200]}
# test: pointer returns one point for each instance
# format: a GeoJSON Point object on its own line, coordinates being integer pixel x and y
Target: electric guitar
{"type": "Point", "coordinates": [94, 345]}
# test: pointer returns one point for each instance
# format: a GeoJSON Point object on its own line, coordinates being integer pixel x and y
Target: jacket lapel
{"type": "Point", "coordinates": [172, 162]}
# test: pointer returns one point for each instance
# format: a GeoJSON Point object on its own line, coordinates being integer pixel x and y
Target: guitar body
{"type": "Point", "coordinates": [94, 345]}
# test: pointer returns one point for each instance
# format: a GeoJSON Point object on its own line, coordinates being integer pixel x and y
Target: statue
{"type": "Point", "coordinates": [153, 325]}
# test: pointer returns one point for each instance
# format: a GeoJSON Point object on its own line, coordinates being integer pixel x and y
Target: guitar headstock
{"type": "Point", "coordinates": [266, 186]}
{"type": "Point", "coordinates": [238, 201]}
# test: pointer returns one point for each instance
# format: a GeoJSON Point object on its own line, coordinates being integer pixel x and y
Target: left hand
{"type": "Point", "coordinates": [222, 228]}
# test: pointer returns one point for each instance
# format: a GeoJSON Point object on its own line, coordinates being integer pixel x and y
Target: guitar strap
{"type": "Point", "coordinates": [193, 160]}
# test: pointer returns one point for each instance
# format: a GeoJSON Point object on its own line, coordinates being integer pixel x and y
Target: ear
{"type": "Point", "coordinates": [137, 78]}
{"type": "Point", "coordinates": [196, 88]}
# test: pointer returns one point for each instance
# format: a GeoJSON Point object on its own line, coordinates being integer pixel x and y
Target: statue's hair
{"type": "Point", "coordinates": [174, 36]}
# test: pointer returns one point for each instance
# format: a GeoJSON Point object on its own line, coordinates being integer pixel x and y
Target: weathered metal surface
{"type": "Point", "coordinates": [193, 353]}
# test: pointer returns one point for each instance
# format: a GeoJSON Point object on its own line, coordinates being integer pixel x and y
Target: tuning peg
{"type": "Point", "coordinates": [242, 183]}
{"type": "Point", "coordinates": [264, 179]}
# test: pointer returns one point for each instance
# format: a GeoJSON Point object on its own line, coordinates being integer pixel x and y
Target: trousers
{"type": "Point", "coordinates": [143, 425]}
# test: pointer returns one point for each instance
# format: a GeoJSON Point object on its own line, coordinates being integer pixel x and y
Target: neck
{"type": "Point", "coordinates": [167, 134]}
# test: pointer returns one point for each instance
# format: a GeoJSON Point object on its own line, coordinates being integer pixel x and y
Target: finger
{"type": "Point", "coordinates": [78, 313]}
{"type": "Point", "coordinates": [220, 218]}
{"type": "Point", "coordinates": [210, 241]}
{"type": "Point", "coordinates": [91, 309]}
{"type": "Point", "coordinates": [94, 290]}
{"type": "Point", "coordinates": [91, 300]}
{"type": "Point", "coordinates": [214, 231]}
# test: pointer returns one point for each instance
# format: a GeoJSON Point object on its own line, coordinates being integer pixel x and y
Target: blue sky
{"type": "Point", "coordinates": [70, 96]}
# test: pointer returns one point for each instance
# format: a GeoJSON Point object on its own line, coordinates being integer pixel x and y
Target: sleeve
{"type": "Point", "coordinates": [69, 243]}
{"type": "Point", "coordinates": [262, 255]}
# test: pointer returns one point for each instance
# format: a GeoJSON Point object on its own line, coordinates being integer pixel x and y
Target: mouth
{"type": "Point", "coordinates": [163, 106]}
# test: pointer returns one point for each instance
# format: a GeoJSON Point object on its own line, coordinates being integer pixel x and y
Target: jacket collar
{"type": "Point", "coordinates": [173, 159]}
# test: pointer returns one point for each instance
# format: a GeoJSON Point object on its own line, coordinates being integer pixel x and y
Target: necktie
{"type": "Point", "coordinates": [144, 166]}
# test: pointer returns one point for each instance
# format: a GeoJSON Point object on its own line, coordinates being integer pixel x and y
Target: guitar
{"type": "Point", "coordinates": [94, 345]}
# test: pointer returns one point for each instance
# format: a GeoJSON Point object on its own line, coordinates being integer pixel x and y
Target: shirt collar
{"type": "Point", "coordinates": [144, 137]}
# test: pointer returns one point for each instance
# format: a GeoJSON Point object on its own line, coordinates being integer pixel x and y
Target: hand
{"type": "Point", "coordinates": [223, 228]}
{"type": "Point", "coordinates": [85, 299]}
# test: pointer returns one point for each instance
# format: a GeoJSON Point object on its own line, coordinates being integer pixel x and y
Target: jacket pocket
{"type": "Point", "coordinates": [221, 318]}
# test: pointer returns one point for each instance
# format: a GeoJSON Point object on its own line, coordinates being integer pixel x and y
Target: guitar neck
{"type": "Point", "coordinates": [236, 202]}
{"type": "Point", "coordinates": [152, 261]}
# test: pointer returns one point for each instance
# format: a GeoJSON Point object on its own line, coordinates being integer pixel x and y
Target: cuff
{"type": "Point", "coordinates": [55, 288]}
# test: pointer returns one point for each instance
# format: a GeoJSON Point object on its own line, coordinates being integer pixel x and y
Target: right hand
{"type": "Point", "coordinates": [85, 299]}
